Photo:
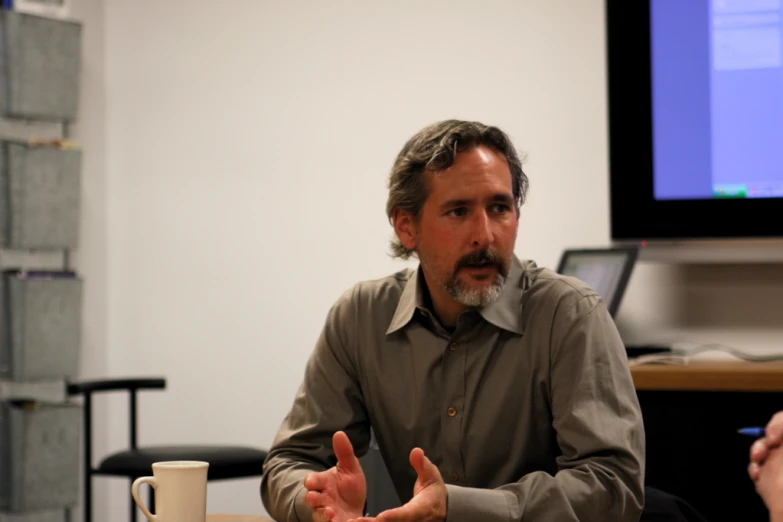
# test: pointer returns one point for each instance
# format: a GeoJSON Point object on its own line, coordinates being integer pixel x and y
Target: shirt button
{"type": "Point", "coordinates": [452, 412]}
{"type": "Point", "coordinates": [454, 477]}
{"type": "Point", "coordinates": [453, 346]}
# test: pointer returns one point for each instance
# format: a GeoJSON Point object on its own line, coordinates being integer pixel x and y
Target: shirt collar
{"type": "Point", "coordinates": [505, 312]}
{"type": "Point", "coordinates": [412, 297]}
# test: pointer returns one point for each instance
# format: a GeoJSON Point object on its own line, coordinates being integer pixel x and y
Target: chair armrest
{"type": "Point", "coordinates": [121, 384]}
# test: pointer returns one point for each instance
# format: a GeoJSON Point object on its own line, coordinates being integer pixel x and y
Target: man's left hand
{"type": "Point", "coordinates": [429, 500]}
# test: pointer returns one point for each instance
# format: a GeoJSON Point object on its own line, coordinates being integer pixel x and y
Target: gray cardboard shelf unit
{"type": "Point", "coordinates": [41, 309]}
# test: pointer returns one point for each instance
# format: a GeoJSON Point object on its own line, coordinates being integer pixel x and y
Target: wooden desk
{"type": "Point", "coordinates": [218, 517]}
{"type": "Point", "coordinates": [732, 376]}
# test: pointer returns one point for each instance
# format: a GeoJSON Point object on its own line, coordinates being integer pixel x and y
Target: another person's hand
{"type": "Point", "coordinates": [430, 497]}
{"type": "Point", "coordinates": [769, 483]}
{"type": "Point", "coordinates": [773, 437]}
{"type": "Point", "coordinates": [339, 493]}
{"type": "Point", "coordinates": [766, 466]}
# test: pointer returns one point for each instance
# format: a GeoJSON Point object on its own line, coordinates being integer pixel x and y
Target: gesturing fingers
{"type": "Point", "coordinates": [400, 514]}
{"type": "Point", "coordinates": [315, 482]}
{"type": "Point", "coordinates": [425, 469]}
{"type": "Point", "coordinates": [409, 512]}
{"type": "Point", "coordinates": [343, 450]}
{"type": "Point", "coordinates": [314, 499]}
{"type": "Point", "coordinates": [323, 515]}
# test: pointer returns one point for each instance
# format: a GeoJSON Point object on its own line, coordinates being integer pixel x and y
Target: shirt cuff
{"type": "Point", "coordinates": [302, 512]}
{"type": "Point", "coordinates": [471, 504]}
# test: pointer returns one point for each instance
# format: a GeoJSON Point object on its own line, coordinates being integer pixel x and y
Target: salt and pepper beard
{"type": "Point", "coordinates": [475, 297]}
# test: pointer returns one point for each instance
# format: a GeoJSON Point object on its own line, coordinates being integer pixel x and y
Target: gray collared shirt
{"type": "Point", "coordinates": [527, 408]}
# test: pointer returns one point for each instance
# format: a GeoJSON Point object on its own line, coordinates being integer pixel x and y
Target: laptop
{"type": "Point", "coordinates": [606, 270]}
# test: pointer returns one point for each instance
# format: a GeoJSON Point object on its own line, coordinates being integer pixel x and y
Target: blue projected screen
{"type": "Point", "coordinates": [717, 98]}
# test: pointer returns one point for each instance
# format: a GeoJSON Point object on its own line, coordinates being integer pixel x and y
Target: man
{"type": "Point", "coordinates": [766, 467]}
{"type": "Point", "coordinates": [497, 390]}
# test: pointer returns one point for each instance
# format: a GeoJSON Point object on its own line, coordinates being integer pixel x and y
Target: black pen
{"type": "Point", "coordinates": [755, 431]}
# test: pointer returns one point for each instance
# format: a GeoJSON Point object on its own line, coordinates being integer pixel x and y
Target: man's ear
{"type": "Point", "coordinates": [405, 227]}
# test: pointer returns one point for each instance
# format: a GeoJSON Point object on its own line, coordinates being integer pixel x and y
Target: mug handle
{"type": "Point", "coordinates": [153, 482]}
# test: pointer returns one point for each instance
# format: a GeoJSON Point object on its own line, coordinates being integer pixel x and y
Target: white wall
{"type": "Point", "coordinates": [246, 147]}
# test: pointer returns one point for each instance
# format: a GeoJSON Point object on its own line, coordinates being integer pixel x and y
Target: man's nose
{"type": "Point", "coordinates": [482, 231]}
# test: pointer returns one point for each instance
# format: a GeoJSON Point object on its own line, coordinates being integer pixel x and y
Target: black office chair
{"type": "Point", "coordinates": [660, 506]}
{"type": "Point", "coordinates": [225, 462]}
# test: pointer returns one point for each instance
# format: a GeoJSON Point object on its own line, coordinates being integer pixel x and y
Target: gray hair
{"type": "Point", "coordinates": [435, 148]}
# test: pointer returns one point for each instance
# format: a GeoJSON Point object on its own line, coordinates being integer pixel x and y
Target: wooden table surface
{"type": "Point", "coordinates": [705, 375]}
{"type": "Point", "coordinates": [219, 517]}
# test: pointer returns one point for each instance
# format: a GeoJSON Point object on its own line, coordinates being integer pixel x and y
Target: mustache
{"type": "Point", "coordinates": [479, 257]}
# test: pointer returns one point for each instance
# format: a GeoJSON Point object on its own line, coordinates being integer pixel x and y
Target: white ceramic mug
{"type": "Point", "coordinates": [180, 491]}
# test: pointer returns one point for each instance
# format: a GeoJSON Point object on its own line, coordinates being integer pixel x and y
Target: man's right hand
{"type": "Point", "coordinates": [337, 494]}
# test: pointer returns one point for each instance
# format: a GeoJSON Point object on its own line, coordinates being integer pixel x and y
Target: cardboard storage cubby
{"type": "Point", "coordinates": [40, 196]}
{"type": "Point", "coordinates": [40, 62]}
{"type": "Point", "coordinates": [39, 456]}
{"type": "Point", "coordinates": [40, 325]}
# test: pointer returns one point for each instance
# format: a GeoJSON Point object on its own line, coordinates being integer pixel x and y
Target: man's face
{"type": "Point", "coordinates": [466, 232]}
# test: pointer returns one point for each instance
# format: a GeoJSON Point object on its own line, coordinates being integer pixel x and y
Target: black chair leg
{"type": "Point", "coordinates": [87, 500]}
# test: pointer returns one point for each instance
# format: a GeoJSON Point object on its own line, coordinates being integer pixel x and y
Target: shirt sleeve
{"type": "Point", "coordinates": [328, 400]}
{"type": "Point", "coordinates": [599, 429]}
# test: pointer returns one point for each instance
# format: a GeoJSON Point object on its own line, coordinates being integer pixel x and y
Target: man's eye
{"type": "Point", "coordinates": [500, 208]}
{"type": "Point", "coordinates": [458, 212]}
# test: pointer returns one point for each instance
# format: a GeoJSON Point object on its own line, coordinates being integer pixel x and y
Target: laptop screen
{"type": "Point", "coordinates": [606, 270]}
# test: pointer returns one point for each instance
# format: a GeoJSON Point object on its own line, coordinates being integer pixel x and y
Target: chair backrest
{"type": "Point", "coordinates": [132, 386]}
